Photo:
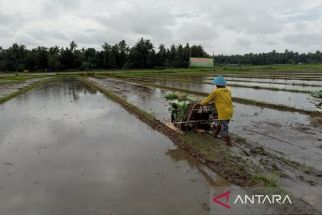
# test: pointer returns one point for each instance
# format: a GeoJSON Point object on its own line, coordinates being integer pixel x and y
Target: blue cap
{"type": "Point", "coordinates": [219, 81]}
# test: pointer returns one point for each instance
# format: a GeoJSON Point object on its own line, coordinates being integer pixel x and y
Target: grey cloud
{"type": "Point", "coordinates": [243, 42]}
{"type": "Point", "coordinates": [131, 24]}
{"type": "Point", "coordinates": [186, 15]}
{"type": "Point", "coordinates": [306, 14]}
{"type": "Point", "coordinates": [5, 19]}
{"type": "Point", "coordinates": [27, 40]}
{"type": "Point", "coordinates": [4, 33]}
{"type": "Point", "coordinates": [305, 39]}
{"type": "Point", "coordinates": [197, 32]}
{"type": "Point", "coordinates": [301, 25]}
{"type": "Point", "coordinates": [51, 9]}
{"type": "Point", "coordinates": [140, 21]}
{"type": "Point", "coordinates": [45, 35]}
{"type": "Point", "coordinates": [11, 21]}
{"type": "Point", "coordinates": [271, 43]}
{"type": "Point", "coordinates": [228, 26]}
{"type": "Point", "coordinates": [248, 20]}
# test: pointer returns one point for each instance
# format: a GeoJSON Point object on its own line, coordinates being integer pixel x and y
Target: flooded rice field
{"type": "Point", "coordinates": [291, 99]}
{"type": "Point", "coordinates": [311, 77]}
{"type": "Point", "coordinates": [274, 86]}
{"type": "Point", "coordinates": [298, 136]}
{"type": "Point", "coordinates": [285, 81]}
{"type": "Point", "coordinates": [7, 88]}
{"type": "Point", "coordinates": [67, 149]}
{"type": "Point", "coordinates": [280, 86]}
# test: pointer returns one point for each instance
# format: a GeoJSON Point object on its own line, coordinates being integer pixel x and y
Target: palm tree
{"type": "Point", "coordinates": [73, 46]}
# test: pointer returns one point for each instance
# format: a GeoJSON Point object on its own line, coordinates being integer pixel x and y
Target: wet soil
{"type": "Point", "coordinates": [257, 84]}
{"type": "Point", "coordinates": [66, 149]}
{"type": "Point", "coordinates": [291, 170]}
{"type": "Point", "coordinates": [294, 76]}
{"type": "Point", "coordinates": [295, 135]}
{"type": "Point", "coordinates": [297, 132]}
{"type": "Point", "coordinates": [7, 88]}
{"type": "Point", "coordinates": [273, 86]}
{"type": "Point", "coordinates": [285, 81]}
{"type": "Point", "coordinates": [291, 99]}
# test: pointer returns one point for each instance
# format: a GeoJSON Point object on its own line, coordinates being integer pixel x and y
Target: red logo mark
{"type": "Point", "coordinates": [224, 195]}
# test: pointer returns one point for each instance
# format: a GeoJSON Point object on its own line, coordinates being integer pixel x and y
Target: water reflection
{"type": "Point", "coordinates": [292, 99]}
{"type": "Point", "coordinates": [66, 149]}
{"type": "Point", "coordinates": [300, 130]}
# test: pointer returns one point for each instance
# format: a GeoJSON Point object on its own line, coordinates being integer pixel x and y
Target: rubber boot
{"type": "Point", "coordinates": [228, 140]}
{"type": "Point", "coordinates": [216, 130]}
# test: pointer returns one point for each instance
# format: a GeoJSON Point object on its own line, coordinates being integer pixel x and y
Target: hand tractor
{"type": "Point", "coordinates": [187, 115]}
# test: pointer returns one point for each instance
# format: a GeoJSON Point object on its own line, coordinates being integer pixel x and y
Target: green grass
{"type": "Point", "coordinates": [171, 96]}
{"type": "Point", "coordinates": [266, 180]}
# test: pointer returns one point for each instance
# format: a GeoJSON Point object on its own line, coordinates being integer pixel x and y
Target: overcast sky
{"type": "Point", "coordinates": [222, 26]}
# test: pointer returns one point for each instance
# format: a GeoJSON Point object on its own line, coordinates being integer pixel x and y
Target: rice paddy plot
{"type": "Point", "coordinates": [274, 86]}
{"type": "Point", "coordinates": [275, 76]}
{"type": "Point", "coordinates": [286, 81]}
{"type": "Point", "coordinates": [268, 127]}
{"type": "Point", "coordinates": [67, 149]}
{"type": "Point", "coordinates": [291, 99]}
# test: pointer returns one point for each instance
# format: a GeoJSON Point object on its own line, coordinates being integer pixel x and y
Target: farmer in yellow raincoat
{"type": "Point", "coordinates": [221, 97]}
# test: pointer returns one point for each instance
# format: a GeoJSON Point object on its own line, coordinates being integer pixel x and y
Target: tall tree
{"type": "Point", "coordinates": [142, 55]}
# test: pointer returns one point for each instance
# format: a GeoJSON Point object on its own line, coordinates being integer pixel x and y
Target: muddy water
{"type": "Point", "coordinates": [312, 77]}
{"type": "Point", "coordinates": [10, 87]}
{"type": "Point", "coordinates": [66, 149]}
{"type": "Point", "coordinates": [149, 99]}
{"type": "Point", "coordinates": [271, 85]}
{"type": "Point", "coordinates": [286, 81]}
{"type": "Point", "coordinates": [244, 83]}
{"type": "Point", "coordinates": [291, 99]}
{"type": "Point", "coordinates": [296, 135]}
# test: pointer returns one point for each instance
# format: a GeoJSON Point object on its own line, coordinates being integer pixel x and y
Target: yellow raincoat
{"type": "Point", "coordinates": [223, 102]}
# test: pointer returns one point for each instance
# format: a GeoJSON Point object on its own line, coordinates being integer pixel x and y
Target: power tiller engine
{"type": "Point", "coordinates": [189, 115]}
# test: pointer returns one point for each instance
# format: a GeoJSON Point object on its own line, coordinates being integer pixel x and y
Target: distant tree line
{"type": "Point", "coordinates": [141, 56]}
{"type": "Point", "coordinates": [287, 57]}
